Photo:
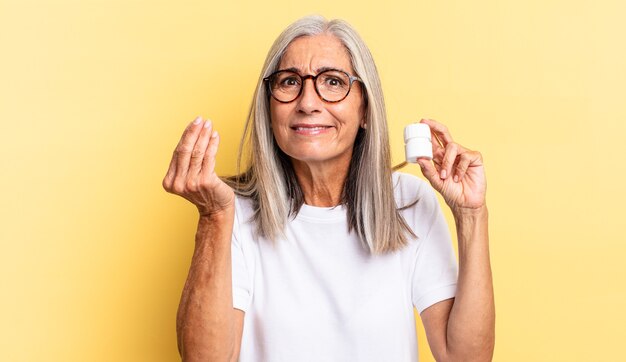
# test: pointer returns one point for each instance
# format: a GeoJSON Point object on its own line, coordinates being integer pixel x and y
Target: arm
{"type": "Point", "coordinates": [471, 327]}
{"type": "Point", "coordinates": [205, 320]}
{"type": "Point", "coordinates": [462, 328]}
{"type": "Point", "coordinates": [207, 326]}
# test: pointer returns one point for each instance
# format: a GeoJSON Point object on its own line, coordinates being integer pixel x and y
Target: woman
{"type": "Point", "coordinates": [318, 251]}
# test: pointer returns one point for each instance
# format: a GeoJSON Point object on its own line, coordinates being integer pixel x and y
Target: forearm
{"type": "Point", "coordinates": [471, 325]}
{"type": "Point", "coordinates": [204, 322]}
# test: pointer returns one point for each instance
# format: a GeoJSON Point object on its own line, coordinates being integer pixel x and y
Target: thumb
{"type": "Point", "coordinates": [430, 172]}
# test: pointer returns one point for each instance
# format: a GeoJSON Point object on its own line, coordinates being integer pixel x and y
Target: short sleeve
{"type": "Point", "coordinates": [242, 286]}
{"type": "Point", "coordinates": [435, 273]}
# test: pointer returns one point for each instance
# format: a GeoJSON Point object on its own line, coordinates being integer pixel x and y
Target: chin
{"type": "Point", "coordinates": [314, 152]}
{"type": "Point", "coordinates": [310, 156]}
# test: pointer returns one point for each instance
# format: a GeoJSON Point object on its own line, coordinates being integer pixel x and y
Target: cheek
{"type": "Point", "coordinates": [353, 111]}
{"type": "Point", "coordinates": [279, 128]}
{"type": "Point", "coordinates": [279, 113]}
{"type": "Point", "coordinates": [350, 117]}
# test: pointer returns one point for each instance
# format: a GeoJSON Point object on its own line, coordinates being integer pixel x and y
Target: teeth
{"type": "Point", "coordinates": [310, 128]}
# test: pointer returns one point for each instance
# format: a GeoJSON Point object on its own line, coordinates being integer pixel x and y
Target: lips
{"type": "Point", "coordinates": [310, 129]}
{"type": "Point", "coordinates": [318, 128]}
{"type": "Point", "coordinates": [304, 127]}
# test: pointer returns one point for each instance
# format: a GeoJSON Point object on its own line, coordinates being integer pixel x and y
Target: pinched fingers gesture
{"type": "Point", "coordinates": [456, 172]}
{"type": "Point", "coordinates": [191, 173]}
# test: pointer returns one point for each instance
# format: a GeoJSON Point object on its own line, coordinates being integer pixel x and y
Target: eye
{"type": "Point", "coordinates": [289, 81]}
{"type": "Point", "coordinates": [334, 80]}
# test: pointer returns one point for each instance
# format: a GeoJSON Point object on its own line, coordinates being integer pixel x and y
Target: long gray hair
{"type": "Point", "coordinates": [270, 180]}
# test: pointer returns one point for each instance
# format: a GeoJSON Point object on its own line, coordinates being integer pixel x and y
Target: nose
{"type": "Point", "coordinates": [309, 101]}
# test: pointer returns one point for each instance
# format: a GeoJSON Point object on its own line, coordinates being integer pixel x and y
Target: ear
{"type": "Point", "coordinates": [363, 123]}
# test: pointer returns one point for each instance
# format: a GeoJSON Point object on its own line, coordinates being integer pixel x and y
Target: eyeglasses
{"type": "Point", "coordinates": [331, 85]}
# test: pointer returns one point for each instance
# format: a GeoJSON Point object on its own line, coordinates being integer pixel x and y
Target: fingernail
{"type": "Point", "coordinates": [443, 173]}
{"type": "Point", "coordinates": [198, 120]}
{"type": "Point", "coordinates": [207, 124]}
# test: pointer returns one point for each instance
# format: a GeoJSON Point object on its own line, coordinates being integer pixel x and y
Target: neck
{"type": "Point", "coordinates": [322, 184]}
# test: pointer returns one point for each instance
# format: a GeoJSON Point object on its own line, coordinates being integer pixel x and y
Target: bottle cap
{"type": "Point", "coordinates": [416, 130]}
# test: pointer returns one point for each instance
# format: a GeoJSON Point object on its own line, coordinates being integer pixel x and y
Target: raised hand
{"type": "Point", "coordinates": [456, 172]}
{"type": "Point", "coordinates": [192, 171]}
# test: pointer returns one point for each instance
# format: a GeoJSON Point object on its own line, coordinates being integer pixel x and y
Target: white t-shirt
{"type": "Point", "coordinates": [319, 296]}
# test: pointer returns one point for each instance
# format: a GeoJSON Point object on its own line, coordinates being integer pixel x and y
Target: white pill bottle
{"type": "Point", "coordinates": [417, 142]}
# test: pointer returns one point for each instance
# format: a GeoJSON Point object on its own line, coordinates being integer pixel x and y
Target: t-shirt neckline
{"type": "Point", "coordinates": [334, 213]}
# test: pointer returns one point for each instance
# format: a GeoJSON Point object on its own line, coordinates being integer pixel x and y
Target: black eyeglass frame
{"type": "Point", "coordinates": [313, 78]}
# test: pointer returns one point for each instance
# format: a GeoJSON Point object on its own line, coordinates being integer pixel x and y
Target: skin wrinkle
{"type": "Point", "coordinates": [321, 162]}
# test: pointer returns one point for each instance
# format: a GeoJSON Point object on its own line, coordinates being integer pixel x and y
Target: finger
{"type": "Point", "coordinates": [439, 131]}
{"type": "Point", "coordinates": [475, 159]}
{"type": "Point", "coordinates": [169, 176]}
{"type": "Point", "coordinates": [461, 167]}
{"type": "Point", "coordinates": [168, 180]}
{"type": "Point", "coordinates": [429, 171]}
{"type": "Point", "coordinates": [208, 164]}
{"type": "Point", "coordinates": [435, 142]}
{"type": "Point", "coordinates": [185, 147]}
{"type": "Point", "coordinates": [449, 158]}
{"type": "Point", "coordinates": [438, 157]}
{"type": "Point", "coordinates": [188, 129]}
{"type": "Point", "coordinates": [199, 149]}
{"type": "Point", "coordinates": [467, 159]}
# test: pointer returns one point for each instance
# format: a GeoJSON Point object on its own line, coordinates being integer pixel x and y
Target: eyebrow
{"type": "Point", "coordinates": [317, 71]}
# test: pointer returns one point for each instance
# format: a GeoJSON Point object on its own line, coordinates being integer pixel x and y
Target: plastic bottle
{"type": "Point", "coordinates": [417, 142]}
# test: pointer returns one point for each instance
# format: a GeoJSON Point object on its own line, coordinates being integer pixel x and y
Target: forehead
{"type": "Point", "coordinates": [308, 54]}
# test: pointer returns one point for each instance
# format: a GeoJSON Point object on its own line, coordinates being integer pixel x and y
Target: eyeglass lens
{"type": "Point", "coordinates": [331, 85]}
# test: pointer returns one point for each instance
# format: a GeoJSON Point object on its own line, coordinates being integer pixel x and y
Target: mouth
{"type": "Point", "coordinates": [310, 129]}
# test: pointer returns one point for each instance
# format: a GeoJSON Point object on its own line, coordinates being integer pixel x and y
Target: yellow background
{"type": "Point", "coordinates": [95, 94]}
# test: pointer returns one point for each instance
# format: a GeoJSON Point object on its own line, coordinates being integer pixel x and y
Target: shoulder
{"type": "Point", "coordinates": [243, 203]}
{"type": "Point", "coordinates": [244, 210]}
{"type": "Point", "coordinates": [408, 188]}
{"type": "Point", "coordinates": [418, 194]}
{"type": "Point", "coordinates": [406, 178]}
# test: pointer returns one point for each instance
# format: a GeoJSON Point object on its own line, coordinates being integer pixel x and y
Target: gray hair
{"type": "Point", "coordinates": [270, 180]}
